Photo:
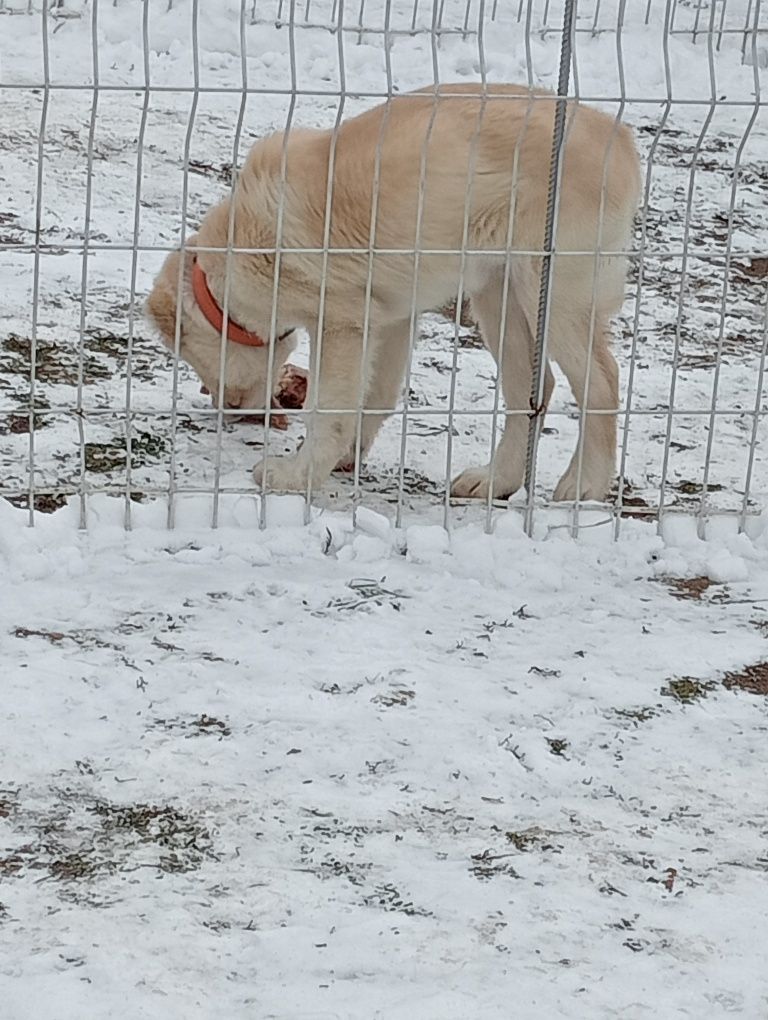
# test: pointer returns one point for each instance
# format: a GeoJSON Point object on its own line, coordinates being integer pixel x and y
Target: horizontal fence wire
{"type": "Point", "coordinates": [687, 18]}
{"type": "Point", "coordinates": [128, 121]}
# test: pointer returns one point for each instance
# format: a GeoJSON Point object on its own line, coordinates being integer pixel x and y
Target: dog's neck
{"type": "Point", "coordinates": [212, 311]}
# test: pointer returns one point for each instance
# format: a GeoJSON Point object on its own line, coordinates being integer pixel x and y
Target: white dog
{"type": "Point", "coordinates": [455, 170]}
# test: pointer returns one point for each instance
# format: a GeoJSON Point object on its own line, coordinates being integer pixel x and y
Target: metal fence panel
{"type": "Point", "coordinates": [125, 121]}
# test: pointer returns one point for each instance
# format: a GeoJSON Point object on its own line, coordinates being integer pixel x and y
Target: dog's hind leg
{"type": "Point", "coordinates": [578, 339]}
{"type": "Point", "coordinates": [514, 360]}
{"type": "Point", "coordinates": [596, 388]}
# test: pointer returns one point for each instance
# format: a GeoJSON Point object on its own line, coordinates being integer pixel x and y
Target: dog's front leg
{"type": "Point", "coordinates": [331, 418]}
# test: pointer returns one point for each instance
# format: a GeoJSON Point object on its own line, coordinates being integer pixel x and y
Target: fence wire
{"type": "Point", "coordinates": [126, 121]}
{"type": "Point", "coordinates": [696, 20]}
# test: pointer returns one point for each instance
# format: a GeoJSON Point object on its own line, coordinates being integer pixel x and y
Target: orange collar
{"type": "Point", "coordinates": [210, 309]}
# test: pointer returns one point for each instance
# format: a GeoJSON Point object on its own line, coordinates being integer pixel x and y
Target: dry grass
{"type": "Point", "coordinates": [687, 689]}
{"type": "Point", "coordinates": [752, 679]}
{"type": "Point", "coordinates": [688, 587]}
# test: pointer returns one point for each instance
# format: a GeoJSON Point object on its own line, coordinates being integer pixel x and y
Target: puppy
{"type": "Point", "coordinates": [429, 191]}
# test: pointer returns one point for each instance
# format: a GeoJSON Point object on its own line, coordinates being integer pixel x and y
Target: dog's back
{"type": "Point", "coordinates": [460, 169]}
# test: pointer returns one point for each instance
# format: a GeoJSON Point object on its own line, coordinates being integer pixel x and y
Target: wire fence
{"type": "Point", "coordinates": [686, 18]}
{"type": "Point", "coordinates": [126, 122]}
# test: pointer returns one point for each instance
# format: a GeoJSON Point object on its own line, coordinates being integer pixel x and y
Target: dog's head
{"type": "Point", "coordinates": [177, 306]}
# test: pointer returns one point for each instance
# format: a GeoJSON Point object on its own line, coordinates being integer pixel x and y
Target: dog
{"type": "Point", "coordinates": [431, 193]}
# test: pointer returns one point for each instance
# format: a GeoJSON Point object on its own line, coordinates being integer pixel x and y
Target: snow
{"type": "Point", "coordinates": [347, 746]}
{"type": "Point", "coordinates": [358, 765]}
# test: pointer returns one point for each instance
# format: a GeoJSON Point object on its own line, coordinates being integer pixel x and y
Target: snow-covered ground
{"type": "Point", "coordinates": [296, 773]}
{"type": "Point", "coordinates": [367, 771]}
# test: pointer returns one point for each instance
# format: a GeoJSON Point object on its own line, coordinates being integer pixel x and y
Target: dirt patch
{"type": "Point", "coordinates": [638, 715]}
{"type": "Point", "coordinates": [752, 679]}
{"type": "Point", "coordinates": [557, 746]}
{"type": "Point", "coordinates": [11, 864]}
{"type": "Point", "coordinates": [330, 850]}
{"type": "Point", "coordinates": [367, 593]}
{"type": "Point", "coordinates": [10, 230]}
{"type": "Point", "coordinates": [146, 354]}
{"type": "Point", "coordinates": [26, 418]}
{"type": "Point", "coordinates": [534, 838]}
{"type": "Point", "coordinates": [687, 689]}
{"type": "Point", "coordinates": [415, 483]}
{"type": "Point", "coordinates": [632, 504]}
{"type": "Point", "coordinates": [81, 638]}
{"type": "Point", "coordinates": [53, 637]}
{"type": "Point", "coordinates": [22, 424]}
{"type": "Point", "coordinates": [43, 502]}
{"type": "Point", "coordinates": [397, 696]}
{"type": "Point", "coordinates": [182, 841]}
{"type": "Point", "coordinates": [101, 458]}
{"type": "Point", "coordinates": [218, 171]}
{"type": "Point", "coordinates": [8, 804]}
{"type": "Point", "coordinates": [79, 837]}
{"type": "Point", "coordinates": [54, 363]}
{"type": "Point", "coordinates": [199, 726]}
{"type": "Point", "coordinates": [354, 872]}
{"type": "Point", "coordinates": [688, 488]}
{"type": "Point", "coordinates": [388, 897]}
{"type": "Point", "coordinates": [688, 587]}
{"type": "Point", "coordinates": [488, 864]}
{"type": "Point", "coordinates": [755, 269]}
{"type": "Point", "coordinates": [59, 363]}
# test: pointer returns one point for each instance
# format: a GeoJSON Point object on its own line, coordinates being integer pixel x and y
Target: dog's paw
{"type": "Point", "coordinates": [594, 484]}
{"type": "Point", "coordinates": [282, 474]}
{"type": "Point", "coordinates": [475, 483]}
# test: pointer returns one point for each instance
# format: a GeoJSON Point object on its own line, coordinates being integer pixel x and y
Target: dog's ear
{"type": "Point", "coordinates": [161, 303]}
{"type": "Point", "coordinates": [161, 308]}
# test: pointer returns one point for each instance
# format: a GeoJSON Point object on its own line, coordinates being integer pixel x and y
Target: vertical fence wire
{"type": "Point", "coordinates": [80, 406]}
{"type": "Point", "coordinates": [314, 421]}
{"type": "Point", "coordinates": [364, 404]}
{"type": "Point", "coordinates": [757, 411]}
{"type": "Point", "coordinates": [539, 361]}
{"type": "Point", "coordinates": [745, 37]}
{"type": "Point", "coordinates": [134, 265]}
{"type": "Point", "coordinates": [684, 271]}
{"type": "Point", "coordinates": [174, 424]}
{"type": "Point", "coordinates": [39, 178]}
{"type": "Point", "coordinates": [417, 234]}
{"type": "Point", "coordinates": [461, 290]}
{"type": "Point", "coordinates": [727, 269]}
{"type": "Point", "coordinates": [642, 248]}
{"type": "Point", "coordinates": [221, 402]}
{"type": "Point", "coordinates": [259, 476]}
{"type": "Point", "coordinates": [585, 410]}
